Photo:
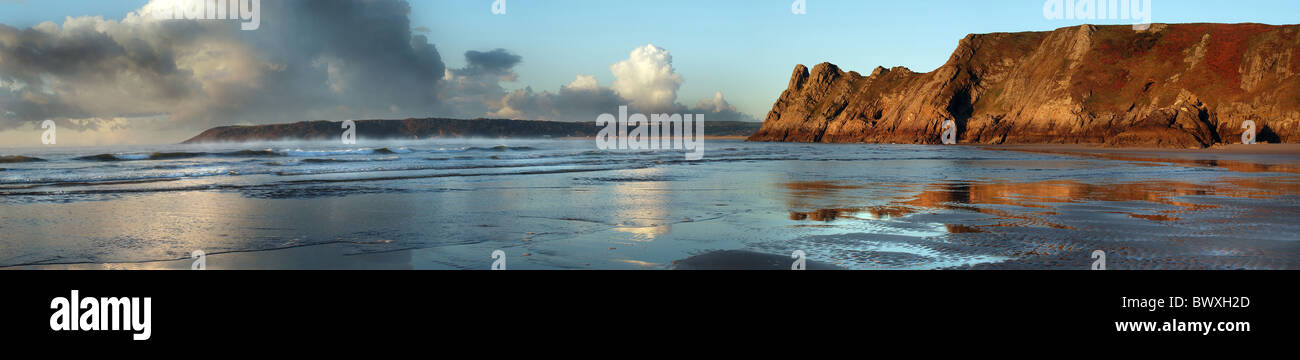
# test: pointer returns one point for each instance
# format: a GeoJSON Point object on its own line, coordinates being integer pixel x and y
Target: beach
{"type": "Point", "coordinates": [562, 204]}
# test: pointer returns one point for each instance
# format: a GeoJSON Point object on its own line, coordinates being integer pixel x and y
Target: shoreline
{"type": "Point", "coordinates": [706, 137]}
{"type": "Point", "coordinates": [1234, 149]}
{"type": "Point", "coordinates": [1276, 158]}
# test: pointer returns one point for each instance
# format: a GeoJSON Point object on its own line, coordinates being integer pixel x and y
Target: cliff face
{"type": "Point", "coordinates": [1176, 86]}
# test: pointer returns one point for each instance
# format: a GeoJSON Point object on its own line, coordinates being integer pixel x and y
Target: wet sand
{"type": "Point", "coordinates": [706, 137]}
{"type": "Point", "coordinates": [1239, 149]}
{"type": "Point", "coordinates": [1238, 157]}
{"type": "Point", "coordinates": [744, 260]}
{"type": "Point", "coordinates": [746, 206]}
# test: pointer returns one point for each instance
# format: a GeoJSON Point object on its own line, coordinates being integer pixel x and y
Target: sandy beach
{"type": "Point", "coordinates": [1236, 149]}
{"type": "Point", "coordinates": [554, 204]}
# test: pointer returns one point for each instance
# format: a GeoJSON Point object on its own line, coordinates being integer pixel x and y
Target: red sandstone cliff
{"type": "Point", "coordinates": [1177, 86]}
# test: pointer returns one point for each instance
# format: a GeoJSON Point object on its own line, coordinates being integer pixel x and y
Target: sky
{"type": "Point", "coordinates": [564, 60]}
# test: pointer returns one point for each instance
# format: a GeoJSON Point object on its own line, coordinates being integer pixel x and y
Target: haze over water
{"type": "Point", "coordinates": [561, 204]}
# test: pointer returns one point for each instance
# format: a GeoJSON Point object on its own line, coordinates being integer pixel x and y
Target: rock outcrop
{"type": "Point", "coordinates": [1173, 86]}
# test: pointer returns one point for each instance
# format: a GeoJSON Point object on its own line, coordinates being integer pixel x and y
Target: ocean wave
{"type": "Point", "coordinates": [235, 154]}
{"type": "Point", "coordinates": [18, 159]}
{"type": "Point", "coordinates": [393, 151]}
{"type": "Point", "coordinates": [252, 153]}
{"type": "Point", "coordinates": [333, 160]}
{"type": "Point", "coordinates": [317, 161]}
{"type": "Point", "coordinates": [447, 175]}
{"type": "Point", "coordinates": [471, 166]}
{"type": "Point", "coordinates": [634, 178]}
{"type": "Point", "coordinates": [149, 156]}
{"type": "Point", "coordinates": [96, 179]}
{"type": "Point", "coordinates": [498, 148]}
{"type": "Point", "coordinates": [323, 153]}
{"type": "Point", "coordinates": [34, 193]}
{"type": "Point", "coordinates": [100, 157]}
{"type": "Point", "coordinates": [501, 148]}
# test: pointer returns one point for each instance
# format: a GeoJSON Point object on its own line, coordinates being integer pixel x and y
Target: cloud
{"type": "Point", "coordinates": [309, 60]}
{"type": "Point", "coordinates": [647, 78]}
{"type": "Point", "coordinates": [715, 104]}
{"type": "Point", "coordinates": [720, 109]}
{"type": "Point", "coordinates": [475, 90]}
{"type": "Point", "coordinates": [495, 62]}
{"type": "Point", "coordinates": [645, 82]}
{"type": "Point", "coordinates": [581, 100]}
{"type": "Point", "coordinates": [584, 82]}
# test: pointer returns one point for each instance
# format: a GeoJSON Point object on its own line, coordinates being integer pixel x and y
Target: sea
{"type": "Point", "coordinates": [565, 204]}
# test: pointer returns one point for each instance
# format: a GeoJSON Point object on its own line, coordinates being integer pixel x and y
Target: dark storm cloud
{"type": "Point", "coordinates": [497, 61]}
{"type": "Point", "coordinates": [364, 51]}
{"type": "Point", "coordinates": [309, 60]}
{"type": "Point", "coordinates": [475, 90]}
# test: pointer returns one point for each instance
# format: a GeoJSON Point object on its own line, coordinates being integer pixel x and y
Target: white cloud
{"type": "Point", "coordinates": [647, 79]}
{"type": "Point", "coordinates": [583, 82]}
{"type": "Point", "coordinates": [715, 104]}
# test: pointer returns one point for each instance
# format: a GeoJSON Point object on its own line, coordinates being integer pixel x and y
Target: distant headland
{"type": "Point", "coordinates": [415, 129]}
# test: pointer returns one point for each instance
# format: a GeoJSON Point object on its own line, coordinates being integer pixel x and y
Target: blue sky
{"type": "Point", "coordinates": [744, 48]}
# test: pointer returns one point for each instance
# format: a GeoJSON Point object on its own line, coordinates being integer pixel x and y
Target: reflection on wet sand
{"type": "Point", "coordinates": [872, 213]}
{"type": "Point", "coordinates": [1178, 158]}
{"type": "Point", "coordinates": [848, 206]}
{"type": "Point", "coordinates": [317, 257]}
{"type": "Point", "coordinates": [822, 214]}
{"type": "Point", "coordinates": [1043, 195]}
{"type": "Point", "coordinates": [1162, 224]}
{"type": "Point", "coordinates": [641, 207]}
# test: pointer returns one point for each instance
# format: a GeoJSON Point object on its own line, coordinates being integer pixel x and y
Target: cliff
{"type": "Point", "coordinates": [431, 128]}
{"type": "Point", "coordinates": [1174, 86]}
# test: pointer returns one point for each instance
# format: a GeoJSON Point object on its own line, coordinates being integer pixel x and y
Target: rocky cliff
{"type": "Point", "coordinates": [1175, 86]}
